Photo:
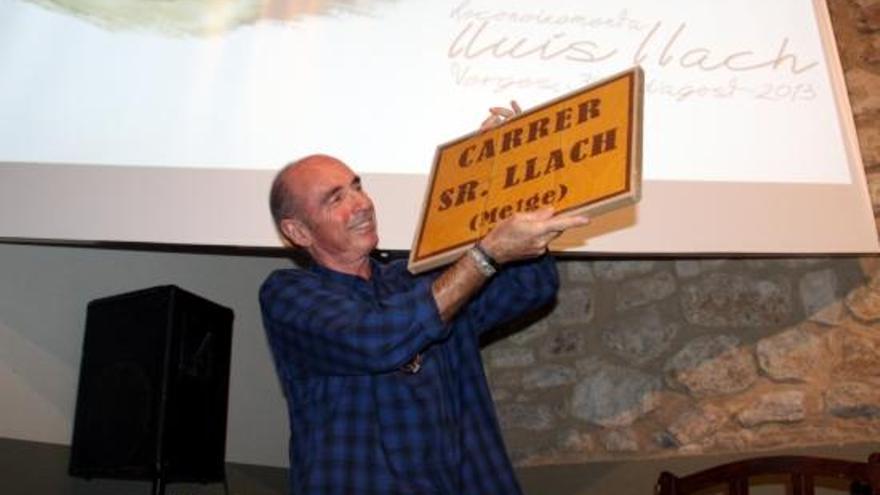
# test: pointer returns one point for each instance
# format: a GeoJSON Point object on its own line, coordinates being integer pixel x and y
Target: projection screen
{"type": "Point", "coordinates": [163, 122]}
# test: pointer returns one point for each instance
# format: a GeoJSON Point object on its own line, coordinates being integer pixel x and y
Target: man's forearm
{"type": "Point", "coordinates": [521, 236]}
{"type": "Point", "coordinates": [455, 286]}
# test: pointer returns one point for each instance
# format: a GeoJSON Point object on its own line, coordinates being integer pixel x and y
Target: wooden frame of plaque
{"type": "Point", "coordinates": [578, 153]}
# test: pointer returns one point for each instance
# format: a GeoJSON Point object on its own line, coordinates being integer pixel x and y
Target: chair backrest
{"type": "Point", "coordinates": [801, 469]}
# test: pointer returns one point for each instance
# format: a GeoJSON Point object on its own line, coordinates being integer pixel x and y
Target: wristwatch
{"type": "Point", "coordinates": [485, 264]}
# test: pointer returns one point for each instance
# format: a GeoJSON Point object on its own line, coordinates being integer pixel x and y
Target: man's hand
{"type": "Point", "coordinates": [522, 236]}
{"type": "Point", "coordinates": [498, 115]}
{"type": "Point", "coordinates": [526, 235]}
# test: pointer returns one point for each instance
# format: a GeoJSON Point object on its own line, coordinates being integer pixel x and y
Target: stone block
{"type": "Point", "coordinates": [623, 440]}
{"type": "Point", "coordinates": [613, 396]}
{"type": "Point", "coordinates": [615, 271]}
{"type": "Point", "coordinates": [864, 303]}
{"type": "Point", "coordinates": [776, 407]}
{"type": "Point", "coordinates": [859, 356]}
{"type": "Point", "coordinates": [853, 400]}
{"type": "Point", "coordinates": [535, 417]}
{"type": "Point", "coordinates": [549, 376]}
{"type": "Point", "coordinates": [576, 271]}
{"type": "Point", "coordinates": [790, 355]}
{"type": "Point", "coordinates": [696, 424]}
{"type": "Point", "coordinates": [726, 300]}
{"type": "Point", "coordinates": [641, 337]}
{"type": "Point", "coordinates": [862, 84]}
{"type": "Point", "coordinates": [575, 306]}
{"type": "Point", "coordinates": [510, 357]}
{"type": "Point", "coordinates": [564, 343]}
{"type": "Point", "coordinates": [644, 290]}
{"type": "Point", "coordinates": [711, 366]}
{"type": "Point", "coordinates": [818, 292]}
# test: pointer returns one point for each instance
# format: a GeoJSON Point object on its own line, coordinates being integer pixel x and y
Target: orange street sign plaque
{"type": "Point", "coordinates": [578, 153]}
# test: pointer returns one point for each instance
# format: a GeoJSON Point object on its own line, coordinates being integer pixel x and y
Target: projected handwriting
{"type": "Point", "coordinates": [770, 92]}
{"type": "Point", "coordinates": [782, 92]}
{"type": "Point", "coordinates": [466, 75]}
{"type": "Point", "coordinates": [708, 60]}
{"type": "Point", "coordinates": [486, 33]}
{"type": "Point", "coordinates": [477, 39]}
{"type": "Point", "coordinates": [464, 12]}
{"type": "Point", "coordinates": [474, 41]}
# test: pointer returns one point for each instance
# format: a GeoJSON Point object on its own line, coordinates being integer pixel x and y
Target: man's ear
{"type": "Point", "coordinates": [296, 232]}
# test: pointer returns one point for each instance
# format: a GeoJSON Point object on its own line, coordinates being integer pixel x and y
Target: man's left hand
{"type": "Point", "coordinates": [499, 115]}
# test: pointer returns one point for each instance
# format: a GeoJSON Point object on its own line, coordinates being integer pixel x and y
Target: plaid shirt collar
{"type": "Point", "coordinates": [348, 280]}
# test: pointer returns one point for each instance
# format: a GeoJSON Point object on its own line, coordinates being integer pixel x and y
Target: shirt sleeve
{"type": "Point", "coordinates": [517, 289]}
{"type": "Point", "coordinates": [317, 328]}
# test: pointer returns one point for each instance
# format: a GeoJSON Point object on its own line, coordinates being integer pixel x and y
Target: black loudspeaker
{"type": "Point", "coordinates": [153, 388]}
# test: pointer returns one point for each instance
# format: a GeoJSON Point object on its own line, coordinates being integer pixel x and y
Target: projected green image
{"type": "Point", "coordinates": [202, 17]}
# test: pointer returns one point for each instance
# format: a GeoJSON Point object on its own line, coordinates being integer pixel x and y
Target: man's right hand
{"type": "Point", "coordinates": [522, 236]}
{"type": "Point", "coordinates": [526, 235]}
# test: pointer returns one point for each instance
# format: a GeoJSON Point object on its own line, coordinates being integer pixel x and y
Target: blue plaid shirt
{"type": "Point", "coordinates": [360, 425]}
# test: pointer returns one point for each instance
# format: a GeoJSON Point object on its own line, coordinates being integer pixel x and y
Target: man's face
{"type": "Point", "coordinates": [335, 215]}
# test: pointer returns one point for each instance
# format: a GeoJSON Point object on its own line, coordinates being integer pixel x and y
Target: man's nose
{"type": "Point", "coordinates": [362, 200]}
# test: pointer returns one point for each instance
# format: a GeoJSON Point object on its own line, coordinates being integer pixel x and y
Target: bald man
{"type": "Point", "coordinates": [381, 369]}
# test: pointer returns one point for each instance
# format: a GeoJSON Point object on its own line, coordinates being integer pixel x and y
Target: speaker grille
{"type": "Point", "coordinates": [153, 387]}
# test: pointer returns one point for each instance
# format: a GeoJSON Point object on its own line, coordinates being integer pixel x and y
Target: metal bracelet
{"type": "Point", "coordinates": [481, 261]}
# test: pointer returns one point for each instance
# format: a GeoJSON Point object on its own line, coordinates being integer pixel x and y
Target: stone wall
{"type": "Point", "coordinates": [662, 357]}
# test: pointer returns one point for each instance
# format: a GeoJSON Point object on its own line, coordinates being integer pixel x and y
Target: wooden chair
{"type": "Point", "coordinates": [864, 476]}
